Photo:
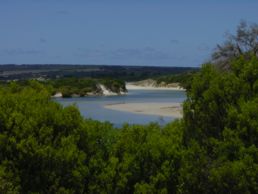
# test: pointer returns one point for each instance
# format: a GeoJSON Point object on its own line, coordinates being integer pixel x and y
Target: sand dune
{"type": "Point", "coordinates": [131, 86]}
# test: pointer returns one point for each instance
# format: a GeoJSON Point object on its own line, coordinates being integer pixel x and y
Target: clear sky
{"type": "Point", "coordinates": [118, 32]}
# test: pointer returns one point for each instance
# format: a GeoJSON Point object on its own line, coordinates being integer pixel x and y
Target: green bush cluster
{"type": "Point", "coordinates": [221, 129]}
{"type": "Point", "coordinates": [45, 148]}
{"type": "Point", "coordinates": [83, 86]}
{"type": "Point", "coordinates": [114, 85]}
{"type": "Point", "coordinates": [74, 86]}
{"type": "Point", "coordinates": [70, 86]}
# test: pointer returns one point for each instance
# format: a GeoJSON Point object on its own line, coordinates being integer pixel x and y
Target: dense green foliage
{"type": "Point", "coordinates": [85, 86]}
{"type": "Point", "coordinates": [70, 86]}
{"type": "Point", "coordinates": [221, 130]}
{"type": "Point", "coordinates": [49, 149]}
{"type": "Point", "coordinates": [75, 86]}
{"type": "Point", "coordinates": [114, 85]}
{"type": "Point", "coordinates": [45, 148]}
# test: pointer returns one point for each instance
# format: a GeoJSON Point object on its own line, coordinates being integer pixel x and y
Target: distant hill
{"type": "Point", "coordinates": [52, 71]}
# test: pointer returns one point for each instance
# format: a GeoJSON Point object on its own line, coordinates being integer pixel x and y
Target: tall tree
{"type": "Point", "coordinates": [244, 41]}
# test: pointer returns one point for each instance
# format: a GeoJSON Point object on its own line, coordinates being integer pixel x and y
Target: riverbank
{"type": "Point", "coordinates": [101, 91]}
{"type": "Point", "coordinates": [131, 86]}
{"type": "Point", "coordinates": [150, 84]}
{"type": "Point", "coordinates": [159, 109]}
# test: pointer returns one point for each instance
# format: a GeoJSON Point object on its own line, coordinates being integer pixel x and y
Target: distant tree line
{"type": "Point", "coordinates": [126, 73]}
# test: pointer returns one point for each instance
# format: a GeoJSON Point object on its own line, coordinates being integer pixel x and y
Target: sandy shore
{"type": "Point", "coordinates": [130, 86]}
{"type": "Point", "coordinates": [160, 109]}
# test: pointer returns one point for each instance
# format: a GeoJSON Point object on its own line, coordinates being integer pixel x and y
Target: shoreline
{"type": "Point", "coordinates": [150, 108]}
{"type": "Point", "coordinates": [60, 95]}
{"type": "Point", "coordinates": [131, 86]}
{"type": "Point", "coordinates": [104, 92]}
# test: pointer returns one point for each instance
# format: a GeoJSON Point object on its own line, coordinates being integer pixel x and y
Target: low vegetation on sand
{"type": "Point", "coordinates": [86, 86]}
{"type": "Point", "coordinates": [183, 79]}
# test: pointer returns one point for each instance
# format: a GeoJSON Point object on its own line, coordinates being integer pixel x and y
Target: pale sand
{"type": "Point", "coordinates": [160, 109]}
{"type": "Point", "coordinates": [130, 86]}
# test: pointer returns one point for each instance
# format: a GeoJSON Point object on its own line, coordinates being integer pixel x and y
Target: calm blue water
{"type": "Point", "coordinates": [93, 107]}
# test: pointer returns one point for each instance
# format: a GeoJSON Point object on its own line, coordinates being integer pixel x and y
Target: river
{"type": "Point", "coordinates": [93, 107]}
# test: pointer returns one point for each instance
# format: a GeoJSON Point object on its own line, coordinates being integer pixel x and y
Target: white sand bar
{"type": "Point", "coordinates": [130, 86]}
{"type": "Point", "coordinates": [159, 109]}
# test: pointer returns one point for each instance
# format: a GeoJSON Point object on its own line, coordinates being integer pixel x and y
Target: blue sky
{"type": "Point", "coordinates": [117, 32]}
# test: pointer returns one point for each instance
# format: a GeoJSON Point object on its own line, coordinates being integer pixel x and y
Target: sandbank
{"type": "Point", "coordinates": [130, 86]}
{"type": "Point", "coordinates": [159, 109]}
